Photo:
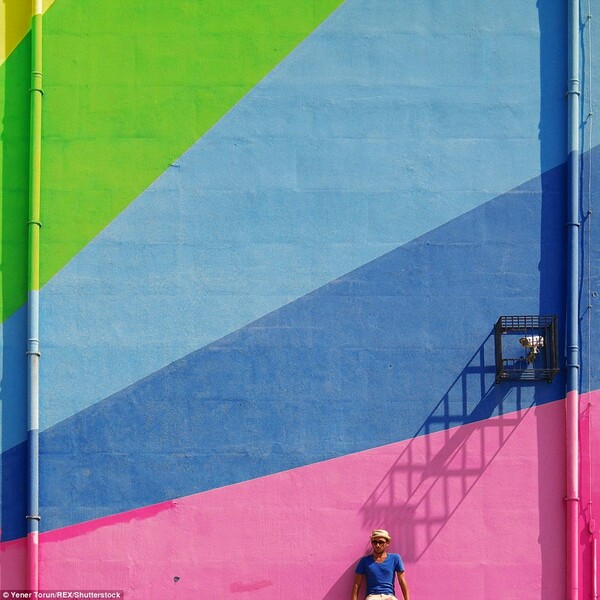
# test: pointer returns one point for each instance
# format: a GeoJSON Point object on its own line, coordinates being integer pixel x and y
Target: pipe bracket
{"type": "Point", "coordinates": [33, 517]}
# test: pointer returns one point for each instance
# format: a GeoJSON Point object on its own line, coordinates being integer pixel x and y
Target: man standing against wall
{"type": "Point", "coordinates": [379, 568]}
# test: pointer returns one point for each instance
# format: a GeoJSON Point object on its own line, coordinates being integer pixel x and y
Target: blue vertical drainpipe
{"type": "Point", "coordinates": [33, 287]}
{"type": "Point", "coordinates": [572, 316]}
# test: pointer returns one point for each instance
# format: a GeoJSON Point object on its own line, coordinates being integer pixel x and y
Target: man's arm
{"type": "Point", "coordinates": [358, 579]}
{"type": "Point", "coordinates": [403, 585]}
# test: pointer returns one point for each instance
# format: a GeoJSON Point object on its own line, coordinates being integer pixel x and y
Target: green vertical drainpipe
{"type": "Point", "coordinates": [33, 286]}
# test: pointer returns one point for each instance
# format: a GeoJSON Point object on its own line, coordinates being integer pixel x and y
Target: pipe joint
{"type": "Point", "coordinates": [38, 223]}
{"type": "Point", "coordinates": [36, 82]}
{"type": "Point", "coordinates": [33, 347]}
{"type": "Point", "coordinates": [573, 86]}
{"type": "Point", "coordinates": [33, 517]}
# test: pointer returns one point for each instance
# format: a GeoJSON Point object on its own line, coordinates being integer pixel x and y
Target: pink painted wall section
{"type": "Point", "coordinates": [476, 512]}
{"type": "Point", "coordinates": [13, 565]}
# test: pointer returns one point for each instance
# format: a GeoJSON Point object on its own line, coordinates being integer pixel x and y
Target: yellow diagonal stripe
{"type": "Point", "coordinates": [15, 21]}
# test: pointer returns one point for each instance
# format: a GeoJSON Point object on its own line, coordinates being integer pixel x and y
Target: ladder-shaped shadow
{"type": "Point", "coordinates": [446, 458]}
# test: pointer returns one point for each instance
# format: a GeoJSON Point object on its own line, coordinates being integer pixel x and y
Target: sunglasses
{"type": "Point", "coordinates": [379, 542]}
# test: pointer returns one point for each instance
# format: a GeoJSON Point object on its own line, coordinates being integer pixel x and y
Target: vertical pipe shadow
{"type": "Point", "coordinates": [552, 137]}
{"type": "Point", "coordinates": [589, 359]}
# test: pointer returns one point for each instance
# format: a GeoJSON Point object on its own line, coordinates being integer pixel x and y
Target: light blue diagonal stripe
{"type": "Point", "coordinates": [387, 122]}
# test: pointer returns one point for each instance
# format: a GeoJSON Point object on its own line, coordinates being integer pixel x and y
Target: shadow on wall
{"type": "Point", "coordinates": [422, 491]}
{"type": "Point", "coordinates": [343, 586]}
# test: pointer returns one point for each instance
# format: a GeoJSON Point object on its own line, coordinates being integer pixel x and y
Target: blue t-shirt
{"type": "Point", "coordinates": [380, 576]}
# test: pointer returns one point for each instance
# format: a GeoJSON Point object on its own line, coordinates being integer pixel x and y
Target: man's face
{"type": "Point", "coordinates": [379, 546]}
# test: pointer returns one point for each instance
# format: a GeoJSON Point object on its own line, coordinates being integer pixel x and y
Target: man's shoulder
{"type": "Point", "coordinates": [398, 562]}
{"type": "Point", "coordinates": [364, 562]}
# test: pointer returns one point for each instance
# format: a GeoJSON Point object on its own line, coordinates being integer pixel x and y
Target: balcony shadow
{"type": "Point", "coordinates": [424, 488]}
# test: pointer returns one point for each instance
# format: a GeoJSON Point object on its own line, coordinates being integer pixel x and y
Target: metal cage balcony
{"type": "Point", "coordinates": [526, 348]}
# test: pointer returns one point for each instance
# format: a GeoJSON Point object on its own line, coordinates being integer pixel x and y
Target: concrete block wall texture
{"type": "Point", "coordinates": [276, 239]}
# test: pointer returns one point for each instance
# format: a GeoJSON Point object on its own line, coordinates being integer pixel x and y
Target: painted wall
{"type": "Point", "coordinates": [276, 237]}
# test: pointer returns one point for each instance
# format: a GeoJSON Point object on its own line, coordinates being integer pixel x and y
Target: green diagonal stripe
{"type": "Point", "coordinates": [129, 86]}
